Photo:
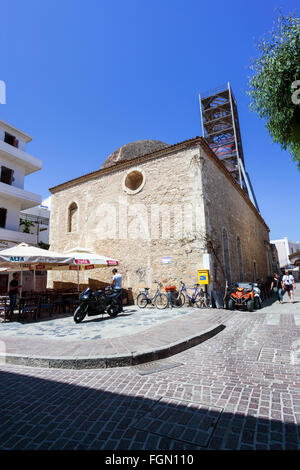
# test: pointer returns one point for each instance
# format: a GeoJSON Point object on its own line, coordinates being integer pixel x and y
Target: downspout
{"type": "Point", "coordinates": [207, 263]}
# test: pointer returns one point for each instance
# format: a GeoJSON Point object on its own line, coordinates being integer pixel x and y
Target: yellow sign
{"type": "Point", "coordinates": [203, 276]}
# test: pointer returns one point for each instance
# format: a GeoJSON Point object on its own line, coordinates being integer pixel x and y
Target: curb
{"type": "Point", "coordinates": [135, 358]}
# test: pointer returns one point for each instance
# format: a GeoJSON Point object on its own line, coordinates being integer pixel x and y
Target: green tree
{"type": "Point", "coordinates": [27, 224]}
{"type": "Point", "coordinates": [43, 245]}
{"type": "Point", "coordinates": [272, 83]}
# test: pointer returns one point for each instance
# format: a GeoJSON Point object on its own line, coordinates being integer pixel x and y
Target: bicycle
{"type": "Point", "coordinates": [159, 300]}
{"type": "Point", "coordinates": [199, 298]}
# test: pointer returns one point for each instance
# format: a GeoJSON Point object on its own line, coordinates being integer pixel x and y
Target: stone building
{"type": "Point", "coordinates": [164, 212]}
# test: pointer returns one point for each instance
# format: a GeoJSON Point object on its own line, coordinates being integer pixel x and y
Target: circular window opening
{"type": "Point", "coordinates": [134, 180]}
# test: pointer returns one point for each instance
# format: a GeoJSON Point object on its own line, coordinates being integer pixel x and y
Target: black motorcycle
{"type": "Point", "coordinates": [97, 303]}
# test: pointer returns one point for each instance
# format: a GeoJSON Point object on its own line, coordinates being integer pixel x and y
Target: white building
{"type": "Point", "coordinates": [285, 248]}
{"type": "Point", "coordinates": [39, 217]}
{"type": "Point", "coordinates": [15, 164]}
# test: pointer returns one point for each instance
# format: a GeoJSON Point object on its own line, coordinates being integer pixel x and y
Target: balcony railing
{"type": "Point", "coordinates": [17, 237]}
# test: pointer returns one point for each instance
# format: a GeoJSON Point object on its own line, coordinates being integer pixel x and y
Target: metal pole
{"type": "Point", "coordinates": [201, 114]}
{"type": "Point", "coordinates": [235, 137]}
{"type": "Point", "coordinates": [38, 231]}
{"type": "Point", "coordinates": [21, 280]}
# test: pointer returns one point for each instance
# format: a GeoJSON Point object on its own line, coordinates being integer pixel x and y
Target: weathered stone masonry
{"type": "Point", "coordinates": [186, 198]}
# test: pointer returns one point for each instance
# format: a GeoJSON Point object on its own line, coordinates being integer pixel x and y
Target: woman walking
{"type": "Point", "coordinates": [288, 284]}
{"type": "Point", "coordinates": [276, 287]}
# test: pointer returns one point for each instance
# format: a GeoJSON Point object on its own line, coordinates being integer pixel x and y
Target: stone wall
{"type": "Point", "coordinates": [227, 209]}
{"type": "Point", "coordinates": [125, 226]}
{"type": "Point", "coordinates": [196, 202]}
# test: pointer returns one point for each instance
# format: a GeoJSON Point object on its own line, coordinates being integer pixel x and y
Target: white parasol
{"type": "Point", "coordinates": [25, 257]}
{"type": "Point", "coordinates": [30, 258]}
{"type": "Point", "coordinates": [23, 254]}
{"type": "Point", "coordinates": [85, 259]}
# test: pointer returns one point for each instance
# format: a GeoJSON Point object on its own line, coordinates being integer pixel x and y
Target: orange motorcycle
{"type": "Point", "coordinates": [242, 297]}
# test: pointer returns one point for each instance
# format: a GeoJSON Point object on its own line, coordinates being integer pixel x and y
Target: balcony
{"type": "Point", "coordinates": [19, 157]}
{"type": "Point", "coordinates": [26, 199]}
{"type": "Point", "coordinates": [17, 237]}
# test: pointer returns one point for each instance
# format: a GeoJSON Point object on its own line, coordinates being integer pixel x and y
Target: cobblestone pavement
{"type": "Point", "coordinates": [133, 320]}
{"type": "Point", "coordinates": [152, 331]}
{"type": "Point", "coordinates": [238, 390]}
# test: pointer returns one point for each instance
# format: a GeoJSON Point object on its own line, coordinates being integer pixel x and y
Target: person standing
{"type": "Point", "coordinates": [116, 284]}
{"type": "Point", "coordinates": [288, 284]}
{"type": "Point", "coordinates": [13, 292]}
{"type": "Point", "coordinates": [276, 287]}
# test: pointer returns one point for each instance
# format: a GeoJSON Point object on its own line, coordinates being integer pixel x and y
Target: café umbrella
{"type": "Point", "coordinates": [26, 257]}
{"type": "Point", "coordinates": [85, 259]}
{"type": "Point", "coordinates": [30, 258]}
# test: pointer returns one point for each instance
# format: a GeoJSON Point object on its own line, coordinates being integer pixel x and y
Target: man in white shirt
{"type": "Point", "coordinates": [116, 284]}
{"type": "Point", "coordinates": [288, 284]}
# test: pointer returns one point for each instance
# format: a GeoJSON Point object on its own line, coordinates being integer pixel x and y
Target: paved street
{"type": "Point", "coordinates": [237, 390]}
{"type": "Point", "coordinates": [132, 321]}
{"type": "Point", "coordinates": [132, 337]}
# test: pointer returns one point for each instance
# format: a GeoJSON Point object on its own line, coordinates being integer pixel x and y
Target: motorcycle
{"type": "Point", "coordinates": [257, 296]}
{"type": "Point", "coordinates": [97, 303]}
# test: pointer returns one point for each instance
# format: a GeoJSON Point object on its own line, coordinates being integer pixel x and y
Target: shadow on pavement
{"type": "Point", "coordinates": [39, 413]}
{"type": "Point", "coordinates": [268, 301]}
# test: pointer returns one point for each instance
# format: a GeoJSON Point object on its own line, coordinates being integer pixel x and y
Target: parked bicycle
{"type": "Point", "coordinates": [159, 300]}
{"type": "Point", "coordinates": [199, 297]}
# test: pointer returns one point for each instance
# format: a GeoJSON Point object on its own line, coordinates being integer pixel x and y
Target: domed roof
{"type": "Point", "coordinates": [133, 150]}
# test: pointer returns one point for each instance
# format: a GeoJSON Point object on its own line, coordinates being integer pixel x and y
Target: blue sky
{"type": "Point", "coordinates": [85, 77]}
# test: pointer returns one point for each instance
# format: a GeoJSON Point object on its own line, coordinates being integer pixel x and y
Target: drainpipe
{"type": "Point", "coordinates": [206, 257]}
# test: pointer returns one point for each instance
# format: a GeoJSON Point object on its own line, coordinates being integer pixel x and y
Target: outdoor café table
{"type": "Point", "coordinates": [69, 298]}
{"type": "Point", "coordinates": [29, 306]}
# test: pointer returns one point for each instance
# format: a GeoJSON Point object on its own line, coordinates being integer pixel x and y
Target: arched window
{"type": "Point", "coordinates": [239, 258]}
{"type": "Point", "coordinates": [226, 255]}
{"type": "Point", "coordinates": [72, 217]}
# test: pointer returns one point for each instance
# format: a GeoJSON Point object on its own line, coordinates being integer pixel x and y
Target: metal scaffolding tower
{"type": "Point", "coordinates": [221, 129]}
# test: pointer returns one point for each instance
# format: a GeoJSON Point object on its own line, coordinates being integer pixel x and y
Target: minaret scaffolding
{"type": "Point", "coordinates": [221, 129]}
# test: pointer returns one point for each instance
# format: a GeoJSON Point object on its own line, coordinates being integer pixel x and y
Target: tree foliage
{"type": "Point", "coordinates": [271, 90]}
{"type": "Point", "coordinates": [27, 224]}
{"type": "Point", "coordinates": [43, 245]}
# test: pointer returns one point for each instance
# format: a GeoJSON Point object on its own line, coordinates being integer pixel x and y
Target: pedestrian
{"type": "Point", "coordinates": [13, 292]}
{"type": "Point", "coordinates": [116, 284]}
{"type": "Point", "coordinates": [276, 287]}
{"type": "Point", "coordinates": [288, 285]}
